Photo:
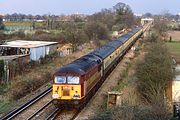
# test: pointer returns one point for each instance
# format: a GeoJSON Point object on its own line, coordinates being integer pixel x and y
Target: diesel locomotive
{"type": "Point", "coordinates": [74, 84]}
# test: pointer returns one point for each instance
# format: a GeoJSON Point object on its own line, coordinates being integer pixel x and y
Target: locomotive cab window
{"type": "Point", "coordinates": [73, 80]}
{"type": "Point", "coordinates": [60, 79]}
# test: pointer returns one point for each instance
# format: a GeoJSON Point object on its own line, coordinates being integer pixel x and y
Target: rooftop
{"type": "Point", "coordinates": [27, 44]}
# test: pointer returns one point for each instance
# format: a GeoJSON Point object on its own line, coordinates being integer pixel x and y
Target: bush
{"type": "Point", "coordinates": [28, 85]}
{"type": "Point", "coordinates": [3, 88]}
{"type": "Point", "coordinates": [155, 72]}
{"type": "Point", "coordinates": [129, 113]}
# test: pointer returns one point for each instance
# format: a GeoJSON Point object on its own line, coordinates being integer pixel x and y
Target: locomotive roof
{"type": "Point", "coordinates": [80, 66]}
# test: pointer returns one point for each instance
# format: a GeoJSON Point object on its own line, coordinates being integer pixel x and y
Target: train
{"type": "Point", "coordinates": [74, 84]}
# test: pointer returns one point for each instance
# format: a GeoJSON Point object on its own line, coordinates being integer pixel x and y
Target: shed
{"type": "Point", "coordinates": [36, 49]}
{"type": "Point", "coordinates": [176, 86]}
{"type": "Point", "coordinates": [173, 90]}
{"type": "Point", "coordinates": [65, 49]}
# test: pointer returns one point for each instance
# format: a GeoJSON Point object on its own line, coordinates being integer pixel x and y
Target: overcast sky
{"type": "Point", "coordinates": [59, 7]}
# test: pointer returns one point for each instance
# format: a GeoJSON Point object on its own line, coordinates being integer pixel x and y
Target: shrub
{"type": "Point", "coordinates": [155, 72]}
{"type": "Point", "coordinates": [128, 113]}
{"type": "Point", "coordinates": [20, 88]}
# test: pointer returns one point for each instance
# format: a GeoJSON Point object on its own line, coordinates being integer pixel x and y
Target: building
{"type": "Point", "coordinates": [173, 91]}
{"type": "Point", "coordinates": [146, 20]}
{"type": "Point", "coordinates": [36, 49]}
{"type": "Point", "coordinates": [65, 49]}
{"type": "Point", "coordinates": [16, 26]}
{"type": "Point", "coordinates": [176, 86]}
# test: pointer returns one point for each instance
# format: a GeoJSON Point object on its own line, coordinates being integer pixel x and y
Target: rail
{"type": "Point", "coordinates": [54, 114]}
{"type": "Point", "coordinates": [17, 111]}
{"type": "Point", "coordinates": [41, 109]}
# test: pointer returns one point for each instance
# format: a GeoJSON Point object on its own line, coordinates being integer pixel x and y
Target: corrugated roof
{"type": "Point", "coordinates": [27, 44]}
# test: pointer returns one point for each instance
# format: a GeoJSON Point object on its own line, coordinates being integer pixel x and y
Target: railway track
{"type": "Point", "coordinates": [22, 109]}
{"type": "Point", "coordinates": [54, 114]}
{"type": "Point", "coordinates": [66, 115]}
{"type": "Point", "coordinates": [40, 110]}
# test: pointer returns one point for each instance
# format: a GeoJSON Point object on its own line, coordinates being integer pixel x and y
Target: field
{"type": "Point", "coordinates": [175, 35]}
{"type": "Point", "coordinates": [174, 48]}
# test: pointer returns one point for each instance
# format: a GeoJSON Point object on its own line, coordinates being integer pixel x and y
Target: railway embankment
{"type": "Point", "coordinates": [34, 81]}
{"type": "Point", "coordinates": [138, 82]}
{"type": "Point", "coordinates": [114, 82]}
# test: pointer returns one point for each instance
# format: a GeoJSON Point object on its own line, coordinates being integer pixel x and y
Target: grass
{"type": "Point", "coordinates": [3, 88]}
{"type": "Point", "coordinates": [5, 106]}
{"type": "Point", "coordinates": [124, 79]}
{"type": "Point", "coordinates": [174, 48]}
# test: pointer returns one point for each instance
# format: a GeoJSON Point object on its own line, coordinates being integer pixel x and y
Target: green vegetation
{"type": "Point", "coordinates": [4, 87]}
{"type": "Point", "coordinates": [155, 72]}
{"type": "Point", "coordinates": [174, 26]}
{"type": "Point", "coordinates": [143, 94]}
{"type": "Point", "coordinates": [5, 106]}
{"type": "Point", "coordinates": [174, 48]}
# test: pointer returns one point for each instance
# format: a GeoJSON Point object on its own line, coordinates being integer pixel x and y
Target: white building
{"type": "Point", "coordinates": [36, 49]}
{"type": "Point", "coordinates": [146, 20]}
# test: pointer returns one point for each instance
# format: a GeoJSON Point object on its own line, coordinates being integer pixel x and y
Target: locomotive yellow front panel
{"type": "Point", "coordinates": [66, 92]}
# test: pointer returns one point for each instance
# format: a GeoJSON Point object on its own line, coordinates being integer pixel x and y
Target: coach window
{"type": "Point", "coordinates": [60, 79]}
{"type": "Point", "coordinates": [73, 80]}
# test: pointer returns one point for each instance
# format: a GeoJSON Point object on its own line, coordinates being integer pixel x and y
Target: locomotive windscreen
{"type": "Point", "coordinates": [66, 79]}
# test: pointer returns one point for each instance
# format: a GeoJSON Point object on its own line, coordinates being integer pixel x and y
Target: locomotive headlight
{"type": "Point", "coordinates": [76, 95]}
{"type": "Point", "coordinates": [55, 96]}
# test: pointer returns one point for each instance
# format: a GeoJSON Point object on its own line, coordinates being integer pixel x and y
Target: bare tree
{"type": "Point", "coordinates": [124, 15]}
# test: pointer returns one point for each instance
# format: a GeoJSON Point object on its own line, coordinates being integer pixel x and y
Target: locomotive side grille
{"type": "Point", "coordinates": [66, 92]}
